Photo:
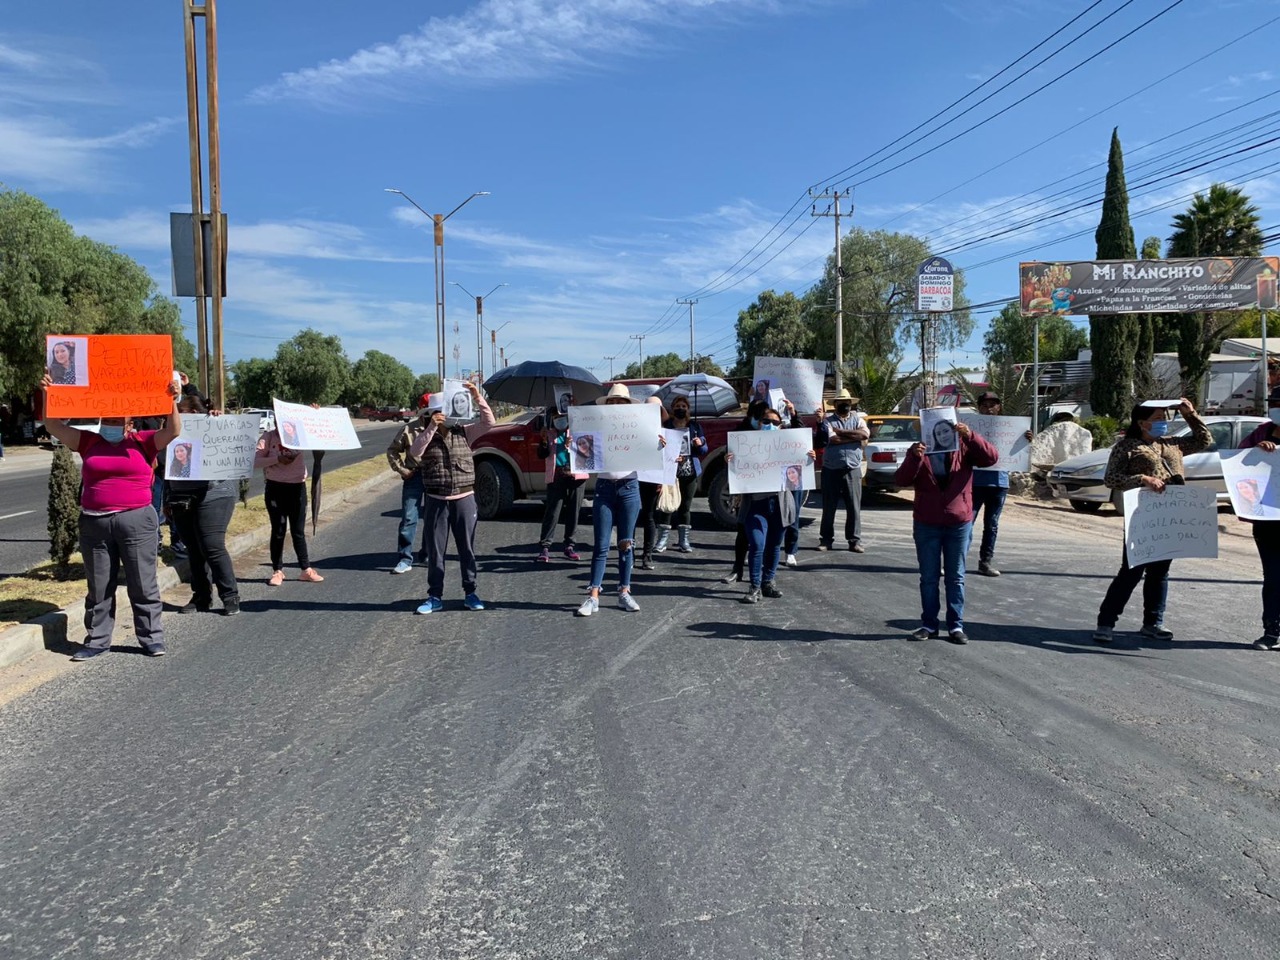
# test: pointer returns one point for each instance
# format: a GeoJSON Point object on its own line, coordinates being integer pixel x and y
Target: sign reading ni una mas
{"type": "Point", "coordinates": [1150, 286]}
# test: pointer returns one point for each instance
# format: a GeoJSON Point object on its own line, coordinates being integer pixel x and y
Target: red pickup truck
{"type": "Point", "coordinates": [402, 414]}
{"type": "Point", "coordinates": [508, 467]}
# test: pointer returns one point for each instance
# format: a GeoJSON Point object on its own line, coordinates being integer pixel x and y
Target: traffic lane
{"type": "Point", "coordinates": [336, 777]}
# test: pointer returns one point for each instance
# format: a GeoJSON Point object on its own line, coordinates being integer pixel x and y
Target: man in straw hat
{"type": "Point", "coordinates": [841, 435]}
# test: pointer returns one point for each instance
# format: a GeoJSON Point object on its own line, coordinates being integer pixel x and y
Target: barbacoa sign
{"type": "Point", "coordinates": [1150, 286]}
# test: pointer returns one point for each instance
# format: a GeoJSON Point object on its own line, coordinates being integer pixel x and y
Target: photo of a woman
{"type": "Point", "coordinates": [793, 477]}
{"type": "Point", "coordinates": [584, 453]}
{"type": "Point", "coordinates": [942, 438]}
{"type": "Point", "coordinates": [460, 406]}
{"type": "Point", "coordinates": [291, 435]}
{"type": "Point", "coordinates": [761, 391]}
{"type": "Point", "coordinates": [180, 462]}
{"type": "Point", "coordinates": [62, 362]}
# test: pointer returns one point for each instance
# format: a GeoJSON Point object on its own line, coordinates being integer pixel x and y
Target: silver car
{"type": "Point", "coordinates": [1079, 479]}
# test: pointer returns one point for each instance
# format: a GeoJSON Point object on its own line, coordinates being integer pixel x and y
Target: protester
{"type": "Point", "coordinates": [647, 518]}
{"type": "Point", "coordinates": [990, 488]}
{"type": "Point", "coordinates": [840, 436]}
{"type": "Point", "coordinates": [1147, 457]}
{"type": "Point", "coordinates": [565, 489]}
{"type": "Point", "coordinates": [285, 494]}
{"type": "Point", "coordinates": [201, 511]}
{"type": "Point", "coordinates": [1266, 533]}
{"type": "Point", "coordinates": [616, 504]}
{"type": "Point", "coordinates": [693, 447]}
{"type": "Point", "coordinates": [791, 535]}
{"type": "Point", "coordinates": [412, 491]}
{"type": "Point", "coordinates": [449, 476]}
{"type": "Point", "coordinates": [118, 526]}
{"type": "Point", "coordinates": [755, 412]}
{"type": "Point", "coordinates": [764, 516]}
{"type": "Point", "coordinates": [942, 523]}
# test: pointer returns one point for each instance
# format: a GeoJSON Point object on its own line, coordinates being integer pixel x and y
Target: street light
{"type": "Point", "coordinates": [438, 219]}
{"type": "Point", "coordinates": [479, 322]}
{"type": "Point", "coordinates": [493, 345]}
{"type": "Point", "coordinates": [502, 352]}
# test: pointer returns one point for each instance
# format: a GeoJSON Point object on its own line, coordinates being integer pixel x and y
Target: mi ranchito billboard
{"type": "Point", "coordinates": [1150, 286]}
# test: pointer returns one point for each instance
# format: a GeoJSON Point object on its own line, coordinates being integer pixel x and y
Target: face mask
{"type": "Point", "coordinates": [1275, 416]}
{"type": "Point", "coordinates": [679, 414]}
{"type": "Point", "coordinates": [843, 409]}
{"type": "Point", "coordinates": [1159, 428]}
{"type": "Point", "coordinates": [754, 423]}
{"type": "Point", "coordinates": [769, 425]}
{"type": "Point", "coordinates": [560, 422]}
{"type": "Point", "coordinates": [111, 434]}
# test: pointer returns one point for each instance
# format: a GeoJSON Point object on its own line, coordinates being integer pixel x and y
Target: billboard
{"type": "Point", "coordinates": [935, 286]}
{"type": "Point", "coordinates": [1149, 286]}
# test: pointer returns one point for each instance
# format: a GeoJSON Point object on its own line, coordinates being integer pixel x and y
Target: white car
{"type": "Point", "coordinates": [266, 418]}
{"type": "Point", "coordinates": [892, 436]}
{"type": "Point", "coordinates": [1079, 479]}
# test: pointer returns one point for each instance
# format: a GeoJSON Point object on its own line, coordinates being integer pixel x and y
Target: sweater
{"type": "Point", "coordinates": [1134, 458]}
{"type": "Point", "coordinates": [949, 504]}
{"type": "Point", "coordinates": [269, 449]}
{"type": "Point", "coordinates": [448, 470]}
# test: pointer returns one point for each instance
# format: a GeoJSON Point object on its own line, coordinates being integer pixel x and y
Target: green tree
{"type": "Point", "coordinates": [64, 511]}
{"type": "Point", "coordinates": [1221, 223]}
{"type": "Point", "coordinates": [423, 383]}
{"type": "Point", "coordinates": [1144, 374]}
{"type": "Point", "coordinates": [773, 326]}
{"type": "Point", "coordinates": [311, 368]}
{"type": "Point", "coordinates": [880, 298]}
{"type": "Point", "coordinates": [380, 380]}
{"type": "Point", "coordinates": [1010, 338]}
{"type": "Point", "coordinates": [669, 365]}
{"type": "Point", "coordinates": [253, 382]}
{"type": "Point", "coordinates": [1114, 339]}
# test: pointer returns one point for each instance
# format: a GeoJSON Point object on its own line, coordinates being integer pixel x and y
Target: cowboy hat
{"type": "Point", "coordinates": [845, 395]}
{"type": "Point", "coordinates": [618, 391]}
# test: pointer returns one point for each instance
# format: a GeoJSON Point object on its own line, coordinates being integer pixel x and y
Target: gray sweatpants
{"type": "Point", "coordinates": [127, 538]}
{"type": "Point", "coordinates": [459, 518]}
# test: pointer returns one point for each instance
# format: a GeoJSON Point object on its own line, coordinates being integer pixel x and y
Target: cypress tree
{"type": "Point", "coordinates": [1144, 376]}
{"type": "Point", "coordinates": [64, 510]}
{"type": "Point", "coordinates": [1114, 338]}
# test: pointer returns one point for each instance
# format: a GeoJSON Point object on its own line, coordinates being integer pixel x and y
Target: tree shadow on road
{"type": "Point", "coordinates": [723, 630]}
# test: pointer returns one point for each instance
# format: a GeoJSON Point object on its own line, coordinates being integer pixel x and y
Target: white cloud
{"type": "Point", "coordinates": [508, 40]}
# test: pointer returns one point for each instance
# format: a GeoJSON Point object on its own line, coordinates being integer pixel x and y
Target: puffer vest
{"type": "Point", "coordinates": [447, 466]}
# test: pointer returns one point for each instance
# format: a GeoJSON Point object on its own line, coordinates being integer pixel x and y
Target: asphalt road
{"type": "Point", "coordinates": [330, 776]}
{"type": "Point", "coordinates": [24, 495]}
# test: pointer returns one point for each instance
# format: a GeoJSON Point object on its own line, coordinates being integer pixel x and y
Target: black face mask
{"type": "Point", "coordinates": [844, 409]}
{"type": "Point", "coordinates": [680, 414]}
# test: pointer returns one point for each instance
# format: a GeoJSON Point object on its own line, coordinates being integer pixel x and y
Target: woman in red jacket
{"type": "Point", "coordinates": [943, 523]}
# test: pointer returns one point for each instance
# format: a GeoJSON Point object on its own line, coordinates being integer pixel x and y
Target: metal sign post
{"type": "Point", "coordinates": [935, 294]}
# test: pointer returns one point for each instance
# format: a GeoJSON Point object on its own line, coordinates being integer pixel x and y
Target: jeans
{"type": "Point", "coordinates": [764, 533]}
{"type": "Point", "coordinates": [459, 518]}
{"type": "Point", "coordinates": [841, 487]}
{"type": "Point", "coordinates": [203, 526]}
{"type": "Point", "coordinates": [564, 494]}
{"type": "Point", "coordinates": [791, 536]}
{"type": "Point", "coordinates": [1155, 592]}
{"type": "Point", "coordinates": [287, 510]}
{"type": "Point", "coordinates": [991, 500]}
{"type": "Point", "coordinates": [1266, 536]}
{"type": "Point", "coordinates": [411, 494]}
{"type": "Point", "coordinates": [940, 548]}
{"type": "Point", "coordinates": [617, 502]}
{"type": "Point", "coordinates": [125, 539]}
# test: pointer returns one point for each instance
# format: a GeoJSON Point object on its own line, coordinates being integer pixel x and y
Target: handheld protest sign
{"type": "Point", "coordinates": [764, 460]}
{"type": "Point", "coordinates": [938, 429]}
{"type": "Point", "coordinates": [1007, 434]}
{"type": "Point", "coordinates": [109, 376]}
{"type": "Point", "coordinates": [217, 448]}
{"type": "Point", "coordinates": [306, 428]}
{"type": "Point", "coordinates": [615, 438]}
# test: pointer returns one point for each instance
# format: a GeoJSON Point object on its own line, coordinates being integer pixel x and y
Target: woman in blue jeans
{"type": "Point", "coordinates": [615, 504]}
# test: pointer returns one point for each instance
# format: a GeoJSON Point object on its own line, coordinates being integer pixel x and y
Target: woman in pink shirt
{"type": "Point", "coordinates": [118, 525]}
{"type": "Point", "coordinates": [285, 471]}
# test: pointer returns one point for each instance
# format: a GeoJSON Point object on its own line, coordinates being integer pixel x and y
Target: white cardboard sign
{"type": "Point", "coordinates": [800, 380]}
{"type": "Point", "coordinates": [1253, 482]}
{"type": "Point", "coordinates": [305, 428]}
{"type": "Point", "coordinates": [938, 429]}
{"type": "Point", "coordinates": [1007, 434]}
{"type": "Point", "coordinates": [615, 438]}
{"type": "Point", "coordinates": [765, 461]}
{"type": "Point", "coordinates": [669, 454]}
{"type": "Point", "coordinates": [1179, 523]}
{"type": "Point", "coordinates": [213, 448]}
{"type": "Point", "coordinates": [456, 402]}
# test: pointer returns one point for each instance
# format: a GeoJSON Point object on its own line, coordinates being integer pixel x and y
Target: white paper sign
{"type": "Point", "coordinates": [615, 438]}
{"type": "Point", "coordinates": [938, 429]}
{"type": "Point", "coordinates": [800, 380]}
{"type": "Point", "coordinates": [304, 428]}
{"type": "Point", "coordinates": [564, 397]}
{"type": "Point", "coordinates": [213, 448]}
{"type": "Point", "coordinates": [776, 396]}
{"type": "Point", "coordinates": [1182, 522]}
{"type": "Point", "coordinates": [669, 455]}
{"type": "Point", "coordinates": [457, 405]}
{"type": "Point", "coordinates": [768, 460]}
{"type": "Point", "coordinates": [1253, 482]}
{"type": "Point", "coordinates": [1008, 435]}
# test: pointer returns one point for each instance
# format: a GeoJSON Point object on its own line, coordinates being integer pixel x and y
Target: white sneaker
{"type": "Point", "coordinates": [628, 603]}
{"type": "Point", "coordinates": [792, 561]}
{"type": "Point", "coordinates": [589, 606]}
{"type": "Point", "coordinates": [404, 566]}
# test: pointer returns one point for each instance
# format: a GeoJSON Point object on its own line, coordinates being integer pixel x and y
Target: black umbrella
{"type": "Point", "coordinates": [317, 459]}
{"type": "Point", "coordinates": [532, 383]}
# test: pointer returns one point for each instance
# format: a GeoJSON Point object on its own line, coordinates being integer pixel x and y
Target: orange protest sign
{"type": "Point", "coordinates": [109, 376]}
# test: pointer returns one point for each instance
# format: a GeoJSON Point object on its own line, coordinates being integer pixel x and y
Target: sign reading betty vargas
{"type": "Point", "coordinates": [1150, 286]}
{"type": "Point", "coordinates": [935, 286]}
{"type": "Point", "coordinates": [768, 460]}
{"type": "Point", "coordinates": [1179, 523]}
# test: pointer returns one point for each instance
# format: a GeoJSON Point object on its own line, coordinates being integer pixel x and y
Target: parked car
{"type": "Point", "coordinates": [891, 437]}
{"type": "Point", "coordinates": [45, 438]}
{"type": "Point", "coordinates": [266, 418]}
{"type": "Point", "coordinates": [402, 414]}
{"type": "Point", "coordinates": [1079, 479]}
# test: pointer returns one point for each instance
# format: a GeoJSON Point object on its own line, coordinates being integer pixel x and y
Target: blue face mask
{"type": "Point", "coordinates": [1159, 428]}
{"type": "Point", "coordinates": [560, 423]}
{"type": "Point", "coordinates": [768, 425]}
{"type": "Point", "coordinates": [754, 423]}
{"type": "Point", "coordinates": [111, 434]}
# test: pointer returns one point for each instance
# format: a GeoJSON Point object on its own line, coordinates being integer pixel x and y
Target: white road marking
{"type": "Point", "coordinates": [20, 513]}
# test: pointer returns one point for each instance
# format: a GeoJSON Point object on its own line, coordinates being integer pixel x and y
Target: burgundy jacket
{"type": "Point", "coordinates": [952, 505]}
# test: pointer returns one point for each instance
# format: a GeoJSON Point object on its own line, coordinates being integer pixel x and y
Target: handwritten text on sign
{"type": "Point", "coordinates": [1008, 435]}
{"type": "Point", "coordinates": [761, 459]}
{"type": "Point", "coordinates": [304, 428]}
{"type": "Point", "coordinates": [800, 380]}
{"type": "Point", "coordinates": [1182, 522]}
{"type": "Point", "coordinates": [128, 377]}
{"type": "Point", "coordinates": [226, 446]}
{"type": "Point", "coordinates": [622, 437]}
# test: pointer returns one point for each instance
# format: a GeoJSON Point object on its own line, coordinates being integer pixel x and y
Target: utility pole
{"type": "Point", "coordinates": [640, 337]}
{"type": "Point", "coordinates": [610, 359]}
{"type": "Point", "coordinates": [693, 357]}
{"type": "Point", "coordinates": [834, 211]}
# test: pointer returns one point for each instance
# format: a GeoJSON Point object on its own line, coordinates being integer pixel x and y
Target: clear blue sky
{"type": "Point", "coordinates": [634, 149]}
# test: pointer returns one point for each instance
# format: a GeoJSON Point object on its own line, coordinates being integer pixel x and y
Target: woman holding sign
{"type": "Point", "coordinates": [1266, 533]}
{"type": "Point", "coordinates": [285, 470]}
{"type": "Point", "coordinates": [118, 525]}
{"type": "Point", "coordinates": [1147, 457]}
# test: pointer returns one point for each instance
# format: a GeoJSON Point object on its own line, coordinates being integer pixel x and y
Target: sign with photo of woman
{"type": "Point", "coordinates": [68, 361]}
{"type": "Point", "coordinates": [456, 404]}
{"type": "Point", "coordinates": [938, 429]}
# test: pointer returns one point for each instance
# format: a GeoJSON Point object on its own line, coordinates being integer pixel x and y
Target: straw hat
{"type": "Point", "coordinates": [618, 391]}
{"type": "Point", "coordinates": [844, 395]}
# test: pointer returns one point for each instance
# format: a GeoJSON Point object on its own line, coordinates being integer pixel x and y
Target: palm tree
{"type": "Point", "coordinates": [1221, 223]}
{"type": "Point", "coordinates": [877, 382]}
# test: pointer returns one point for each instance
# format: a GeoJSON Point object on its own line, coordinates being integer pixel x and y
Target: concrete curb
{"type": "Point", "coordinates": [62, 628]}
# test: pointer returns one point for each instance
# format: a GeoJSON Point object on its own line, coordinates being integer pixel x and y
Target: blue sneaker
{"type": "Point", "coordinates": [472, 602]}
{"type": "Point", "coordinates": [404, 566]}
{"type": "Point", "coordinates": [431, 605]}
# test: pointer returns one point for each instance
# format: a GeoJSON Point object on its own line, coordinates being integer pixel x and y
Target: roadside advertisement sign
{"type": "Point", "coordinates": [935, 286]}
{"type": "Point", "coordinates": [1149, 286]}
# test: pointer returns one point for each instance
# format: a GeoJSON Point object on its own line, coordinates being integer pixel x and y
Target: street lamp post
{"type": "Point", "coordinates": [493, 345]}
{"type": "Point", "coordinates": [438, 220]}
{"type": "Point", "coordinates": [479, 323]}
{"type": "Point", "coordinates": [502, 353]}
